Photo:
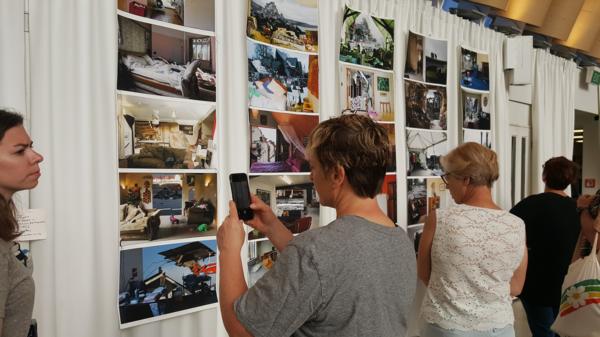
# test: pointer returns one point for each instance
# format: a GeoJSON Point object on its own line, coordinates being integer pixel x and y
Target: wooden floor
{"type": "Point", "coordinates": [166, 15]}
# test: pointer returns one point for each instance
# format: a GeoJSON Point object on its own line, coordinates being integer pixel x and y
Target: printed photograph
{"type": "Point", "coordinates": [278, 141]}
{"type": "Point", "coordinates": [293, 199]}
{"type": "Point", "coordinates": [413, 69]}
{"type": "Point", "coordinates": [292, 24]}
{"type": "Point", "coordinates": [476, 111]}
{"type": "Point", "coordinates": [426, 106]}
{"type": "Point", "coordinates": [424, 151]}
{"type": "Point", "coordinates": [367, 40]}
{"type": "Point", "coordinates": [387, 199]}
{"type": "Point", "coordinates": [262, 256]}
{"type": "Point", "coordinates": [160, 134]}
{"type": "Point", "coordinates": [280, 79]}
{"type": "Point", "coordinates": [161, 207]}
{"type": "Point", "coordinates": [165, 62]}
{"type": "Point", "coordinates": [417, 200]}
{"type": "Point", "coordinates": [474, 70]}
{"type": "Point", "coordinates": [367, 92]}
{"type": "Point", "coordinates": [437, 197]}
{"type": "Point", "coordinates": [158, 282]}
{"type": "Point", "coordinates": [482, 137]}
{"type": "Point", "coordinates": [436, 60]}
{"type": "Point", "coordinates": [199, 14]}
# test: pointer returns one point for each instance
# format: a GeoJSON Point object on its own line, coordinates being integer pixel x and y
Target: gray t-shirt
{"type": "Point", "coordinates": [16, 294]}
{"type": "Point", "coordinates": [350, 278]}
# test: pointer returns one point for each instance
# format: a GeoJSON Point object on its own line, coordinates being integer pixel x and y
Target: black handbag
{"type": "Point", "coordinates": [33, 329]}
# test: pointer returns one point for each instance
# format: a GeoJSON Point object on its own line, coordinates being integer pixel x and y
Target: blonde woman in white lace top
{"type": "Point", "coordinates": [472, 256]}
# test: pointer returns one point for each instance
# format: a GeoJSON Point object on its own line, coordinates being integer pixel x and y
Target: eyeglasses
{"type": "Point", "coordinates": [445, 178]}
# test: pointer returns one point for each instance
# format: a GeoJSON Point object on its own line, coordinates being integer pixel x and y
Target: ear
{"type": "Point", "coordinates": [338, 175]}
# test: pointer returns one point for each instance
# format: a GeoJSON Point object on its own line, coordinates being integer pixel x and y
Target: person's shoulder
{"type": "Point", "coordinates": [5, 247]}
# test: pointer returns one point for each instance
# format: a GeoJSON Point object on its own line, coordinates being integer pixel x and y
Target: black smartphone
{"type": "Point", "coordinates": [240, 191]}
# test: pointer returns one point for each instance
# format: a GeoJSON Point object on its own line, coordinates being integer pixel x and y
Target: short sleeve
{"type": "Point", "coordinates": [284, 298]}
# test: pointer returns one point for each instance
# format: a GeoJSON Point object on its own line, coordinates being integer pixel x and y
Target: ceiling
{"type": "Point", "coordinates": [169, 110]}
{"type": "Point", "coordinates": [562, 24]}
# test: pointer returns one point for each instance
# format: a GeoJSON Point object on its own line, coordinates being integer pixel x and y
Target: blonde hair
{"type": "Point", "coordinates": [474, 161]}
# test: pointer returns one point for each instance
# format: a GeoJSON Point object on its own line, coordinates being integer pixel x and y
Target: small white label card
{"type": "Point", "coordinates": [32, 223]}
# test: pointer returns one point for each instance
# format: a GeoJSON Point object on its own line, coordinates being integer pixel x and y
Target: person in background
{"type": "Point", "coordinates": [472, 256]}
{"type": "Point", "coordinates": [552, 227]}
{"type": "Point", "coordinates": [588, 206]}
{"type": "Point", "coordinates": [19, 170]}
{"type": "Point", "coordinates": [352, 278]}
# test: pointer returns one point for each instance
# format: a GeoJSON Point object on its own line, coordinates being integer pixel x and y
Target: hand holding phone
{"type": "Point", "coordinates": [240, 191]}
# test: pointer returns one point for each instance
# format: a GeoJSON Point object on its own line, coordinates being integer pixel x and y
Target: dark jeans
{"type": "Point", "coordinates": [540, 318]}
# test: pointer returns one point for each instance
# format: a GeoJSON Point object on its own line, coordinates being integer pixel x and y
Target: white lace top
{"type": "Point", "coordinates": [474, 254]}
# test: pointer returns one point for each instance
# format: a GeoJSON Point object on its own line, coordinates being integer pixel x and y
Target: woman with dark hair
{"type": "Point", "coordinates": [19, 170]}
{"type": "Point", "coordinates": [552, 227]}
{"type": "Point", "coordinates": [354, 277]}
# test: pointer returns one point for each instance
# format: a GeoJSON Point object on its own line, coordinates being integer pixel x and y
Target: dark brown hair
{"type": "Point", "coordinates": [356, 143]}
{"type": "Point", "coordinates": [9, 228]}
{"type": "Point", "coordinates": [559, 172]}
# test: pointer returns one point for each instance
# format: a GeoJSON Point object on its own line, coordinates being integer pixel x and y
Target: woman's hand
{"type": "Point", "coordinates": [231, 234]}
{"type": "Point", "coordinates": [264, 219]}
{"type": "Point", "coordinates": [584, 200]}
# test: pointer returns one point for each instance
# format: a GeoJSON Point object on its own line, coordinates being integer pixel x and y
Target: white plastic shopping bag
{"type": "Point", "coordinates": [579, 313]}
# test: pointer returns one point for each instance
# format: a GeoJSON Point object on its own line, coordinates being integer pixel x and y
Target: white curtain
{"type": "Point", "coordinates": [553, 112]}
{"type": "Point", "coordinates": [12, 55]}
{"type": "Point", "coordinates": [73, 82]}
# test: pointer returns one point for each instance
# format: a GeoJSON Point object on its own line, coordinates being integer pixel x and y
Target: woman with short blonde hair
{"type": "Point", "coordinates": [472, 256]}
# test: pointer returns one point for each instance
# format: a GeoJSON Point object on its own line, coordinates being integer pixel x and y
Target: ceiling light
{"type": "Point", "coordinates": [286, 179]}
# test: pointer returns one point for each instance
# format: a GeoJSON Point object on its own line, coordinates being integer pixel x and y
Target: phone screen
{"type": "Point", "coordinates": [240, 191]}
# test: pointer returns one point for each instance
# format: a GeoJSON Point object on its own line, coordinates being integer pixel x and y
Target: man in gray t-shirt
{"type": "Point", "coordinates": [350, 278]}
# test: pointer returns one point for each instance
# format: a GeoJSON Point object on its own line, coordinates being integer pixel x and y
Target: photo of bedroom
{"type": "Point", "coordinates": [424, 151]}
{"type": "Point", "coordinates": [278, 141]}
{"type": "Point", "coordinates": [387, 197]}
{"type": "Point", "coordinates": [165, 134]}
{"type": "Point", "coordinates": [292, 198]}
{"type": "Point", "coordinates": [262, 256]}
{"type": "Point", "coordinates": [165, 62]}
{"type": "Point", "coordinates": [287, 23]}
{"type": "Point", "coordinates": [160, 281]}
{"type": "Point", "coordinates": [367, 92]}
{"type": "Point", "coordinates": [165, 207]}
{"type": "Point", "coordinates": [280, 79]}
{"type": "Point", "coordinates": [199, 14]}
{"type": "Point", "coordinates": [426, 106]}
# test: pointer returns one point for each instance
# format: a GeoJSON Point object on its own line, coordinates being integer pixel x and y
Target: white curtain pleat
{"type": "Point", "coordinates": [553, 112]}
{"type": "Point", "coordinates": [12, 55]}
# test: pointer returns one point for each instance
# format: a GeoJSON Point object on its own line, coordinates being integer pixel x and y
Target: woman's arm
{"type": "Point", "coordinates": [424, 256]}
{"type": "Point", "coordinates": [518, 279]}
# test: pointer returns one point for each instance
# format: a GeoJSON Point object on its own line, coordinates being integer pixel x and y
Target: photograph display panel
{"type": "Point", "coordinates": [156, 207]}
{"type": "Point", "coordinates": [168, 280]}
{"type": "Point", "coordinates": [160, 134]}
{"type": "Point", "coordinates": [293, 199]}
{"type": "Point", "coordinates": [426, 59]}
{"type": "Point", "coordinates": [424, 195]}
{"type": "Point", "coordinates": [281, 79]}
{"type": "Point", "coordinates": [474, 70]}
{"type": "Point", "coordinates": [482, 137]}
{"type": "Point", "coordinates": [198, 14]}
{"type": "Point", "coordinates": [367, 40]}
{"type": "Point", "coordinates": [387, 198]}
{"type": "Point", "coordinates": [368, 92]}
{"type": "Point", "coordinates": [426, 106]}
{"type": "Point", "coordinates": [262, 256]}
{"type": "Point", "coordinates": [425, 149]}
{"type": "Point", "coordinates": [278, 141]}
{"type": "Point", "coordinates": [167, 62]}
{"type": "Point", "coordinates": [476, 110]}
{"type": "Point", "coordinates": [292, 24]}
